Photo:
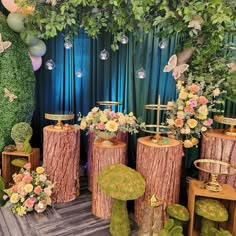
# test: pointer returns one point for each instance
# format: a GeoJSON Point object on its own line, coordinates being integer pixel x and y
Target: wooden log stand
{"type": "Point", "coordinates": [227, 196]}
{"type": "Point", "coordinates": [160, 165]}
{"type": "Point", "coordinates": [121, 136]}
{"type": "Point", "coordinates": [103, 157]}
{"type": "Point", "coordinates": [61, 149]}
{"type": "Point", "coordinates": [218, 146]}
{"type": "Point", "coordinates": [8, 169]}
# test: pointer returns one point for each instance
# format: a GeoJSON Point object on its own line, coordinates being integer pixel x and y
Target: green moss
{"type": "Point", "coordinates": [18, 77]}
{"type": "Point", "coordinates": [120, 225]}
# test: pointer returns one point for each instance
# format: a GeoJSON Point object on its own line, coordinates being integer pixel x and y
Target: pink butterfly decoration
{"type": "Point", "coordinates": [177, 71]}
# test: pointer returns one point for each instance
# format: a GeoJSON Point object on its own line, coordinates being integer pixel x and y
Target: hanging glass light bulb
{"type": "Point", "coordinates": [163, 44]}
{"type": "Point", "coordinates": [124, 39]}
{"type": "Point", "coordinates": [79, 74]}
{"type": "Point", "coordinates": [141, 73]}
{"type": "Point", "coordinates": [68, 44]}
{"type": "Point", "coordinates": [104, 55]}
{"type": "Point", "coordinates": [50, 64]}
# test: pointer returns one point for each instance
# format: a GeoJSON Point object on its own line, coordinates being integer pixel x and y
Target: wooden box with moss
{"type": "Point", "coordinates": [8, 169]}
{"type": "Point", "coordinates": [214, 209]}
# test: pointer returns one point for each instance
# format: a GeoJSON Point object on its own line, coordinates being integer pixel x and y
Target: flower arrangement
{"type": "Point", "coordinates": [109, 121]}
{"type": "Point", "coordinates": [31, 191]}
{"type": "Point", "coordinates": [190, 115]}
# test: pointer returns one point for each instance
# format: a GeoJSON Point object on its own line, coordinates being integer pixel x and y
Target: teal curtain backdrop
{"type": "Point", "coordinates": [115, 79]}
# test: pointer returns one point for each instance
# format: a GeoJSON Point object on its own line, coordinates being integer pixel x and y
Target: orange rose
{"type": "Point", "coordinates": [179, 122]}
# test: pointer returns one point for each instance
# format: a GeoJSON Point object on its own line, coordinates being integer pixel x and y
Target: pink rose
{"type": "Point", "coordinates": [27, 166]}
{"type": "Point", "coordinates": [188, 108]}
{"type": "Point", "coordinates": [18, 178]}
{"type": "Point", "coordinates": [27, 179]}
{"type": "Point", "coordinates": [5, 197]}
{"type": "Point", "coordinates": [30, 202]}
{"type": "Point", "coordinates": [193, 88]}
{"type": "Point", "coordinates": [179, 122]}
{"type": "Point", "coordinates": [208, 122]}
{"type": "Point", "coordinates": [100, 126]}
{"type": "Point", "coordinates": [193, 102]}
{"type": "Point", "coordinates": [203, 100]}
{"type": "Point", "coordinates": [216, 92]}
{"type": "Point", "coordinates": [38, 190]}
{"type": "Point", "coordinates": [14, 188]}
{"type": "Point", "coordinates": [112, 114]}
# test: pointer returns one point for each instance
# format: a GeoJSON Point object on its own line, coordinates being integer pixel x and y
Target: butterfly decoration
{"type": "Point", "coordinates": [9, 94]}
{"type": "Point", "coordinates": [4, 45]}
{"type": "Point", "coordinates": [232, 67]}
{"type": "Point", "coordinates": [177, 71]}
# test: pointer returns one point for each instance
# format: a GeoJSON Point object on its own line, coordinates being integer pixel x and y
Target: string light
{"type": "Point", "coordinates": [141, 73]}
{"type": "Point", "coordinates": [68, 44]}
{"type": "Point", "coordinates": [79, 73]}
{"type": "Point", "coordinates": [163, 44]}
{"type": "Point", "coordinates": [104, 55]}
{"type": "Point", "coordinates": [50, 64]}
{"type": "Point", "coordinates": [124, 39]}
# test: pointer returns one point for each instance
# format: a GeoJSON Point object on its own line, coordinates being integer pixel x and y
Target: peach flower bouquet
{"type": "Point", "coordinates": [109, 121]}
{"type": "Point", "coordinates": [31, 191]}
{"type": "Point", "coordinates": [190, 114]}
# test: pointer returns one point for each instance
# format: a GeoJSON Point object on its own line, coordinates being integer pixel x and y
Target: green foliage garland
{"type": "Point", "coordinates": [202, 24]}
{"type": "Point", "coordinates": [18, 77]}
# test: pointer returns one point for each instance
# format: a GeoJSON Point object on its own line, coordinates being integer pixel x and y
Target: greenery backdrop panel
{"type": "Point", "coordinates": [16, 75]}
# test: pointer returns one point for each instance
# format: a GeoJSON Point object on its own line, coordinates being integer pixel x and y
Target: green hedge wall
{"type": "Point", "coordinates": [16, 74]}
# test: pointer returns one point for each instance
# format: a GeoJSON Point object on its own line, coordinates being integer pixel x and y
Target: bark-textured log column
{"type": "Point", "coordinates": [103, 157]}
{"type": "Point", "coordinates": [160, 165]}
{"type": "Point", "coordinates": [61, 150]}
{"type": "Point", "coordinates": [218, 146]}
{"type": "Point", "coordinates": [121, 136]}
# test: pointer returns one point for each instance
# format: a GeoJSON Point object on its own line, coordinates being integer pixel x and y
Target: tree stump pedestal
{"type": "Point", "coordinates": [160, 165]}
{"type": "Point", "coordinates": [218, 146]}
{"type": "Point", "coordinates": [121, 136]}
{"type": "Point", "coordinates": [103, 157]}
{"type": "Point", "coordinates": [61, 150]}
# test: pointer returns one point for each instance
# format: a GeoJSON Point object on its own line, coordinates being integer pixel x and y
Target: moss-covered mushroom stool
{"type": "Point", "coordinates": [212, 211]}
{"type": "Point", "coordinates": [121, 183]}
{"type": "Point", "coordinates": [170, 229]}
{"type": "Point", "coordinates": [179, 213]}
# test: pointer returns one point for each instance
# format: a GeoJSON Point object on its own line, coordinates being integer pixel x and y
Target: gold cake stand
{"type": "Point", "coordinates": [59, 118]}
{"type": "Point", "coordinates": [227, 121]}
{"type": "Point", "coordinates": [109, 103]}
{"type": "Point", "coordinates": [159, 129]}
{"type": "Point", "coordinates": [214, 168]}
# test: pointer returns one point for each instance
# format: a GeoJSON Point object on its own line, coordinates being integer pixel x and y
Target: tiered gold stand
{"type": "Point", "coordinates": [59, 118]}
{"type": "Point", "coordinates": [159, 129]}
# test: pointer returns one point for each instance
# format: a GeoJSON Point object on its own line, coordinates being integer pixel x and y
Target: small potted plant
{"type": "Point", "coordinates": [21, 133]}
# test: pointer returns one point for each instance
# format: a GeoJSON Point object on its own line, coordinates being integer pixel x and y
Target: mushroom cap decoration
{"type": "Point", "coordinates": [178, 212]}
{"type": "Point", "coordinates": [211, 209]}
{"type": "Point", "coordinates": [121, 182]}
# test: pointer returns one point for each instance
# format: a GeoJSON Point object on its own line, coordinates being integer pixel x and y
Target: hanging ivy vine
{"type": "Point", "coordinates": [203, 25]}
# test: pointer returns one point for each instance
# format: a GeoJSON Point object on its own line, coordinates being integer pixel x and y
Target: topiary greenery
{"type": "Point", "coordinates": [17, 76]}
{"type": "Point", "coordinates": [21, 131]}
